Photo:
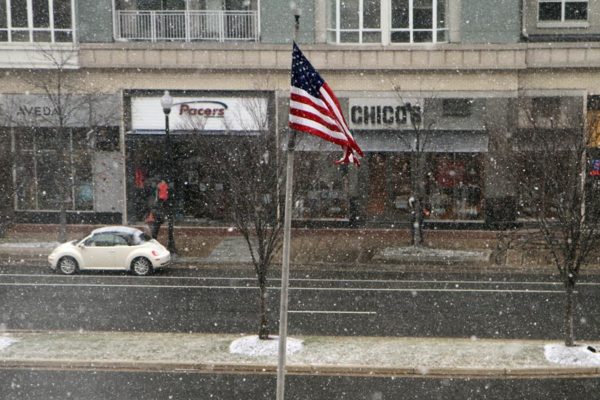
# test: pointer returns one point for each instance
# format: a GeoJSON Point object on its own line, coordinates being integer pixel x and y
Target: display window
{"type": "Point", "coordinates": [321, 187]}
{"type": "Point", "coordinates": [40, 172]}
{"type": "Point", "coordinates": [453, 185]}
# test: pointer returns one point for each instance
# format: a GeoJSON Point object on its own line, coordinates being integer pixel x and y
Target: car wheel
{"type": "Point", "coordinates": [141, 266]}
{"type": "Point", "coordinates": [67, 265]}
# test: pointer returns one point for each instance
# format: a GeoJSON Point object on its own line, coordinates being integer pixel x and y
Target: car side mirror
{"type": "Point", "coordinates": [81, 245]}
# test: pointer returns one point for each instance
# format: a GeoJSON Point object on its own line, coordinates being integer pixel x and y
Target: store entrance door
{"type": "Point", "coordinates": [199, 193]}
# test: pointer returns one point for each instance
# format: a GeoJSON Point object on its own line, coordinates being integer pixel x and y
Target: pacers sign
{"type": "Point", "coordinates": [200, 114]}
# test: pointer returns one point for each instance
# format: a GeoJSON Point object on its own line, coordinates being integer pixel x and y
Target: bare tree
{"type": "Point", "coordinates": [552, 160]}
{"type": "Point", "coordinates": [251, 170]}
{"type": "Point", "coordinates": [417, 144]}
{"type": "Point", "coordinates": [58, 91]}
{"type": "Point", "coordinates": [6, 182]}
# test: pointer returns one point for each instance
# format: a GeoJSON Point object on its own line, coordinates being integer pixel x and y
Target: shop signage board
{"type": "Point", "coordinates": [381, 113]}
{"type": "Point", "coordinates": [36, 110]}
{"type": "Point", "coordinates": [201, 114]}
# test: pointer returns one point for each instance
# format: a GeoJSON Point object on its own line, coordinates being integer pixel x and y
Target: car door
{"type": "Point", "coordinates": [98, 251]}
{"type": "Point", "coordinates": [122, 249]}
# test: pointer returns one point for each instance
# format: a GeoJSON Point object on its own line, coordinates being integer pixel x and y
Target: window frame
{"type": "Point", "coordinates": [438, 34]}
{"type": "Point", "coordinates": [361, 30]}
{"type": "Point", "coordinates": [563, 23]}
{"type": "Point", "coordinates": [9, 32]}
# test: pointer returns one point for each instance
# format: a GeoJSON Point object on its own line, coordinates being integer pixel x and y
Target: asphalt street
{"type": "Point", "coordinates": [321, 303]}
{"type": "Point", "coordinates": [93, 385]}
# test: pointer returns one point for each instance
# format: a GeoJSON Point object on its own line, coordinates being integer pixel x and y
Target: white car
{"type": "Point", "coordinates": [111, 248]}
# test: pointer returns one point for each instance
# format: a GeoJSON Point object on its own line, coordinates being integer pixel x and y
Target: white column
{"type": "Point", "coordinates": [386, 22]}
{"type": "Point", "coordinates": [320, 21]}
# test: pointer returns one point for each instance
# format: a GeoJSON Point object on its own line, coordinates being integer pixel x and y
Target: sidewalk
{"type": "Point", "coordinates": [347, 249]}
{"type": "Point", "coordinates": [357, 356]}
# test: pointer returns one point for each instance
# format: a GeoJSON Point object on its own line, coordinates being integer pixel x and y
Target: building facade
{"type": "Point", "coordinates": [479, 71]}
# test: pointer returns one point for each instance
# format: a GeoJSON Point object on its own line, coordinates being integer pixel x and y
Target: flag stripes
{"type": "Point", "coordinates": [315, 109]}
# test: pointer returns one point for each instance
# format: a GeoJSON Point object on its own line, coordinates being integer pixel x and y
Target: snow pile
{"type": "Point", "coordinates": [577, 356]}
{"type": "Point", "coordinates": [428, 254]}
{"type": "Point", "coordinates": [253, 346]}
{"type": "Point", "coordinates": [6, 341]}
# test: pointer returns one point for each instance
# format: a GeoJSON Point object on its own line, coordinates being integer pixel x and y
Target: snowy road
{"type": "Point", "coordinates": [319, 304]}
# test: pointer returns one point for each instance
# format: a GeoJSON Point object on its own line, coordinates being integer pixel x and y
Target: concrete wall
{"type": "Point", "coordinates": [277, 21]}
{"type": "Point", "coordinates": [94, 21]}
{"type": "Point", "coordinates": [490, 21]}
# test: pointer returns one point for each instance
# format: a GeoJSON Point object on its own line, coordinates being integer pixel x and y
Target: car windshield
{"type": "Point", "coordinates": [77, 241]}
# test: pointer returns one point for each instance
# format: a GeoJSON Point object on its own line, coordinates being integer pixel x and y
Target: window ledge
{"type": "Point", "coordinates": [38, 55]}
{"type": "Point", "coordinates": [564, 25]}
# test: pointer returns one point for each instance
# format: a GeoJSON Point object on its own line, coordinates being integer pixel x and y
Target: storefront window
{"type": "Point", "coordinates": [39, 173]}
{"type": "Point", "coordinates": [536, 197]}
{"type": "Point", "coordinates": [453, 186]}
{"type": "Point", "coordinates": [82, 170]}
{"type": "Point", "coordinates": [322, 195]}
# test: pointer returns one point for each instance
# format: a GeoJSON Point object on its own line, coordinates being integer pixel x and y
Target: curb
{"type": "Point", "coordinates": [422, 267]}
{"type": "Point", "coordinates": [328, 370]}
{"type": "Point", "coordinates": [399, 267]}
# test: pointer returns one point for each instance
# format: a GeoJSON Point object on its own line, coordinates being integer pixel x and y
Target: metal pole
{"type": "Point", "coordinates": [171, 239]}
{"type": "Point", "coordinates": [285, 267]}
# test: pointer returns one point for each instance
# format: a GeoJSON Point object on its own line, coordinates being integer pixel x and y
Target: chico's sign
{"type": "Point", "coordinates": [385, 113]}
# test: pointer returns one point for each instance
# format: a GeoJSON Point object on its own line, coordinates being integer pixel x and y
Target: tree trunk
{"type": "Point", "coordinates": [263, 332]}
{"type": "Point", "coordinates": [63, 192]}
{"type": "Point", "coordinates": [569, 309]}
{"type": "Point", "coordinates": [62, 230]}
{"type": "Point", "coordinates": [417, 223]}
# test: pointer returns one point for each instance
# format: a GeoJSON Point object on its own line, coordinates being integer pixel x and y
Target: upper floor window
{"type": "Point", "coordinates": [562, 11]}
{"type": "Point", "coordinates": [387, 21]}
{"type": "Point", "coordinates": [36, 21]}
{"type": "Point", "coordinates": [457, 107]}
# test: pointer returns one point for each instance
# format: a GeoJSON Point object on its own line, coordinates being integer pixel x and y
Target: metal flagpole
{"type": "Point", "coordinates": [287, 233]}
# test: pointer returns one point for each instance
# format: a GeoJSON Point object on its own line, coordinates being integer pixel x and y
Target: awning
{"type": "Point", "coordinates": [403, 142]}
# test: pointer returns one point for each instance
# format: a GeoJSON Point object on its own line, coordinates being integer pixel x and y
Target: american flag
{"type": "Point", "coordinates": [315, 109]}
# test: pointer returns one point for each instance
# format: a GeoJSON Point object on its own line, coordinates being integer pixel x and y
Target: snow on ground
{"type": "Point", "coordinates": [253, 346]}
{"type": "Point", "coordinates": [6, 341]}
{"type": "Point", "coordinates": [427, 251]}
{"type": "Point", "coordinates": [29, 244]}
{"type": "Point", "coordinates": [576, 356]}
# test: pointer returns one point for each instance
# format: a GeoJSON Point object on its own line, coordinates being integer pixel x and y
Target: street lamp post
{"type": "Point", "coordinates": [166, 101]}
